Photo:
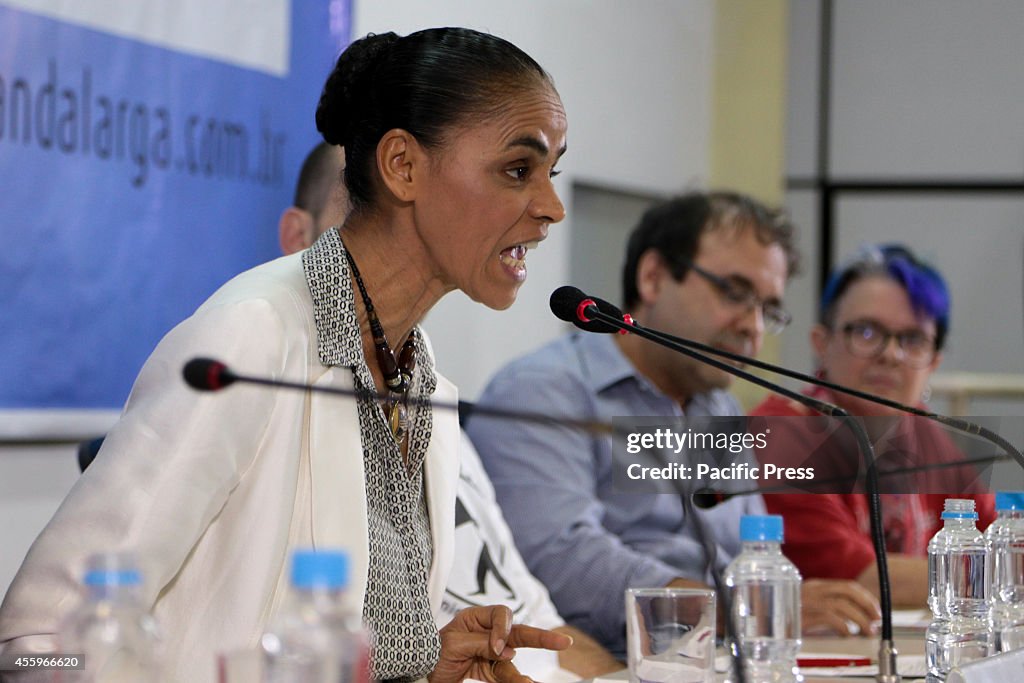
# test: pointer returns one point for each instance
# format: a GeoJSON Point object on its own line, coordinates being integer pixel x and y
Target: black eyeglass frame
{"type": "Point", "coordinates": [776, 318]}
{"type": "Point", "coordinates": [903, 339]}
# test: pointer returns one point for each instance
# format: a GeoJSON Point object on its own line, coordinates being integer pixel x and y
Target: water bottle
{"type": "Point", "coordinates": [765, 593]}
{"type": "Point", "coordinates": [959, 592]}
{"type": "Point", "coordinates": [315, 639]}
{"type": "Point", "coordinates": [111, 629]}
{"type": "Point", "coordinates": [1005, 537]}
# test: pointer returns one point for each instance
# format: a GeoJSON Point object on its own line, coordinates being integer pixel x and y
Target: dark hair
{"type": "Point", "coordinates": [673, 228]}
{"type": "Point", "coordinates": [320, 171]}
{"type": "Point", "coordinates": [423, 83]}
{"type": "Point", "coordinates": [924, 285]}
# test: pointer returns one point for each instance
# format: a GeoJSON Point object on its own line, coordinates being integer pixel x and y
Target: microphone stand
{"type": "Point", "coordinates": [710, 556]}
{"type": "Point", "coordinates": [584, 306]}
{"type": "Point", "coordinates": [205, 374]}
{"type": "Point", "coordinates": [887, 671]}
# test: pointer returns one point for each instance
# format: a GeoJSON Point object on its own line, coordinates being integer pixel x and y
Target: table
{"type": "Point", "coordinates": [907, 643]}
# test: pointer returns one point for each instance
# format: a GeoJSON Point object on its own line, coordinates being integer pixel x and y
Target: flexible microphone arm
{"type": "Point", "coordinates": [887, 672]}
{"type": "Point", "coordinates": [711, 555]}
{"type": "Point", "coordinates": [955, 423]}
{"type": "Point", "coordinates": [207, 374]}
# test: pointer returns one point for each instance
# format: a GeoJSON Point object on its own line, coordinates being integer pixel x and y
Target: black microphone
{"type": "Point", "coordinates": [207, 374]}
{"type": "Point", "coordinates": [957, 424]}
{"type": "Point", "coordinates": [573, 306]}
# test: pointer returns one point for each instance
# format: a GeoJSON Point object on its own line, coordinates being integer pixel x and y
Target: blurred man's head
{"type": "Point", "coordinates": [320, 199]}
{"type": "Point", "coordinates": [711, 267]}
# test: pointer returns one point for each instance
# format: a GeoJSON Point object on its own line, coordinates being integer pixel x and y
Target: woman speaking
{"type": "Point", "coordinates": [451, 139]}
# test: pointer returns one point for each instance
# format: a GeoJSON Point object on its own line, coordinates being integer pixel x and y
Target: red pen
{"type": "Point", "coordinates": [832, 660]}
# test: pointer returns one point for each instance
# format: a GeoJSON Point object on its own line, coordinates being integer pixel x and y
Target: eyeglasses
{"type": "Point", "coordinates": [868, 339]}
{"type": "Point", "coordinates": [740, 293]}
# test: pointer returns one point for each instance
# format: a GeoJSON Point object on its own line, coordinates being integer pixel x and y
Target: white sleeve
{"type": "Point", "coordinates": [162, 476]}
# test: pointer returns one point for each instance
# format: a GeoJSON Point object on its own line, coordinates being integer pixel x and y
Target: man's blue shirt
{"type": "Point", "coordinates": [585, 541]}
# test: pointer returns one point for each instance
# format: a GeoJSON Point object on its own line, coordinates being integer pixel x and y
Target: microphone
{"type": "Point", "coordinates": [208, 374]}
{"type": "Point", "coordinates": [566, 304]}
{"type": "Point", "coordinates": [573, 306]}
{"type": "Point", "coordinates": [586, 312]}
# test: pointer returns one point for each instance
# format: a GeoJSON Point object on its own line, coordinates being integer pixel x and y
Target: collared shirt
{"type": "Point", "coordinates": [828, 535]}
{"type": "Point", "coordinates": [586, 542]}
{"type": "Point", "coordinates": [397, 605]}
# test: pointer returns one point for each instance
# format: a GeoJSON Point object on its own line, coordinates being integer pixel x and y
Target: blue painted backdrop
{"type": "Point", "coordinates": [134, 180]}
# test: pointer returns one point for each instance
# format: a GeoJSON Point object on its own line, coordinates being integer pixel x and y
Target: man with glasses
{"type": "Point", "coordinates": [883, 322]}
{"type": "Point", "coordinates": [711, 267]}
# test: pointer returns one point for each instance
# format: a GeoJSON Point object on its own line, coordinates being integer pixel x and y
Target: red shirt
{"type": "Point", "coordinates": [828, 535]}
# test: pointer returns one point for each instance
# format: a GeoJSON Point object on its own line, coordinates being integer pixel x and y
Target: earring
{"type": "Point", "coordinates": [926, 395]}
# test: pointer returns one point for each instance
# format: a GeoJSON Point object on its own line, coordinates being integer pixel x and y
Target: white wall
{"type": "Point", "coordinates": [635, 79]}
{"type": "Point", "coordinates": [33, 481]}
{"type": "Point", "coordinates": [928, 87]}
{"type": "Point", "coordinates": [35, 478]}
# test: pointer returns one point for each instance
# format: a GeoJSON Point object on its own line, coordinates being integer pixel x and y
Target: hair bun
{"type": "Point", "coordinates": [348, 86]}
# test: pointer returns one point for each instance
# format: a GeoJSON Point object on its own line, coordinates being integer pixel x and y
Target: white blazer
{"type": "Point", "coordinates": [213, 490]}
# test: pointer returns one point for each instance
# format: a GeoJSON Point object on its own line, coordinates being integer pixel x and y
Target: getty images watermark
{"type": "Point", "coordinates": [792, 455]}
{"type": "Point", "coordinates": [707, 451]}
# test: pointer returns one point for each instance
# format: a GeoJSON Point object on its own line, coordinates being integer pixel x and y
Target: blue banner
{"type": "Point", "coordinates": [145, 161]}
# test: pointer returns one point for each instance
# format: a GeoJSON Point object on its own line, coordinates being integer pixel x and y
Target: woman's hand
{"type": "Point", "coordinates": [480, 642]}
{"type": "Point", "coordinates": [838, 607]}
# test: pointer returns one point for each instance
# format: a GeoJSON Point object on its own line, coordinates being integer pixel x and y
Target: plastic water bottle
{"type": "Point", "coordinates": [1005, 537]}
{"type": "Point", "coordinates": [111, 629]}
{"type": "Point", "coordinates": [938, 577]}
{"type": "Point", "coordinates": [315, 639]}
{"type": "Point", "coordinates": [765, 590]}
{"type": "Point", "coordinates": [959, 592]}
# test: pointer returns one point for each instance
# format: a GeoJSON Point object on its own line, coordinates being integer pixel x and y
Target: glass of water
{"type": "Point", "coordinates": [670, 635]}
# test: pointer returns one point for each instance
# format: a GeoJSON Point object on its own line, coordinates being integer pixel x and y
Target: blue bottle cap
{"type": "Point", "coordinates": [1010, 500]}
{"type": "Point", "coordinates": [112, 569]}
{"type": "Point", "coordinates": [320, 569]}
{"type": "Point", "coordinates": [761, 528]}
{"type": "Point", "coordinates": [112, 577]}
{"type": "Point", "coordinates": [959, 515]}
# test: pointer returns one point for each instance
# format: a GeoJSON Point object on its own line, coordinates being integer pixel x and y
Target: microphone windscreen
{"type": "Point", "coordinates": [206, 374]}
{"type": "Point", "coordinates": [564, 302]}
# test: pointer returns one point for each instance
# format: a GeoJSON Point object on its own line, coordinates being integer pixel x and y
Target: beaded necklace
{"type": "Point", "coordinates": [397, 374]}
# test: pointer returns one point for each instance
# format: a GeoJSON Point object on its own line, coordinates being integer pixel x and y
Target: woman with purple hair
{"type": "Point", "coordinates": [882, 325]}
